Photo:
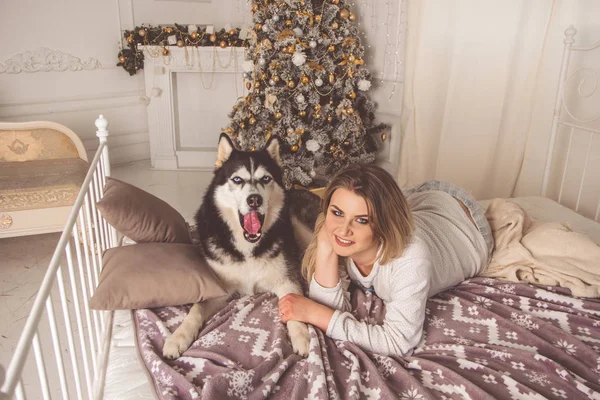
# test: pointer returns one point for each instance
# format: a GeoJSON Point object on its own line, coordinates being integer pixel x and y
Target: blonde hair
{"type": "Point", "coordinates": [389, 215]}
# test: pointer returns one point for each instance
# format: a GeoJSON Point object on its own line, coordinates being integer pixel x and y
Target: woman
{"type": "Point", "coordinates": [405, 249]}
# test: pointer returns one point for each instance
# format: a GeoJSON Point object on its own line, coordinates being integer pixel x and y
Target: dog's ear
{"type": "Point", "coordinates": [224, 150]}
{"type": "Point", "coordinates": [272, 149]}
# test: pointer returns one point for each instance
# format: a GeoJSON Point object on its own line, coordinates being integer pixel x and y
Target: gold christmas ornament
{"type": "Point", "coordinates": [331, 48]}
{"type": "Point", "coordinates": [278, 115]}
{"type": "Point", "coordinates": [243, 125]}
{"type": "Point", "coordinates": [223, 44]}
{"type": "Point", "coordinates": [352, 95]}
{"type": "Point", "coordinates": [318, 18]}
{"type": "Point", "coordinates": [332, 148]}
{"type": "Point", "coordinates": [252, 148]}
{"type": "Point", "coordinates": [213, 38]}
{"type": "Point", "coordinates": [130, 39]}
{"type": "Point", "coordinates": [263, 76]}
{"type": "Point", "coordinates": [350, 110]}
{"type": "Point", "coordinates": [351, 58]}
{"type": "Point", "coordinates": [194, 35]}
{"type": "Point", "coordinates": [122, 59]}
{"type": "Point", "coordinates": [302, 113]}
{"type": "Point", "coordinates": [275, 78]}
{"type": "Point", "coordinates": [180, 43]}
{"type": "Point", "coordinates": [294, 148]}
{"type": "Point", "coordinates": [330, 119]}
{"type": "Point", "coordinates": [165, 52]}
{"type": "Point", "coordinates": [288, 22]}
{"type": "Point", "coordinates": [169, 30]}
{"type": "Point", "coordinates": [335, 1]}
{"type": "Point", "coordinates": [252, 120]}
{"type": "Point", "coordinates": [142, 32]}
{"type": "Point", "coordinates": [291, 84]}
{"type": "Point", "coordinates": [305, 79]}
{"type": "Point", "coordinates": [258, 27]}
{"type": "Point", "coordinates": [316, 115]}
{"type": "Point", "coordinates": [232, 32]}
{"type": "Point", "coordinates": [352, 17]}
{"type": "Point", "coordinates": [335, 25]}
{"type": "Point", "coordinates": [384, 136]}
{"type": "Point", "coordinates": [284, 50]}
{"type": "Point", "coordinates": [344, 13]}
{"type": "Point", "coordinates": [317, 107]}
{"type": "Point", "coordinates": [248, 85]}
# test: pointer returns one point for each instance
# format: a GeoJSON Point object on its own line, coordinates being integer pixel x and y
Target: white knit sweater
{"type": "Point", "coordinates": [446, 249]}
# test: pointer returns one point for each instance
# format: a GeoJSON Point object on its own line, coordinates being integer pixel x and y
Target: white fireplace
{"type": "Point", "coordinates": [191, 92]}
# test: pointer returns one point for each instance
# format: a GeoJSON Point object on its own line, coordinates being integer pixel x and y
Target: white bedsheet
{"type": "Point", "coordinates": [544, 209]}
{"type": "Point", "coordinates": [126, 378]}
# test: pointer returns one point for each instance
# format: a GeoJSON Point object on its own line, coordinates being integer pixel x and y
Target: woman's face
{"type": "Point", "coordinates": [347, 223]}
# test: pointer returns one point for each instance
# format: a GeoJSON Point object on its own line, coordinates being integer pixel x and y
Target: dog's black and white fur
{"type": "Point", "coordinates": [247, 238]}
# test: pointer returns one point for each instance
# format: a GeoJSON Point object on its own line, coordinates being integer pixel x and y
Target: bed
{"type": "Point", "coordinates": [485, 338]}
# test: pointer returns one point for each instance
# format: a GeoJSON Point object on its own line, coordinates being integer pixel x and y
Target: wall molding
{"type": "Point", "coordinates": [88, 103]}
{"type": "Point", "coordinates": [44, 59]}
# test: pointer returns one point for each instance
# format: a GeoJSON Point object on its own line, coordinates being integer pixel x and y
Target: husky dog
{"type": "Point", "coordinates": [246, 236]}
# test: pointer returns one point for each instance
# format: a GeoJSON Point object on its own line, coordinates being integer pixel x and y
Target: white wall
{"type": "Point", "coordinates": [84, 29]}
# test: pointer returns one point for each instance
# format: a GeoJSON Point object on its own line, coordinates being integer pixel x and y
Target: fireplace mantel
{"type": "Point", "coordinates": [191, 92]}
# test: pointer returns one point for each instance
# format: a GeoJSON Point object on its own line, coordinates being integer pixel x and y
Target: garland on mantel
{"type": "Point", "coordinates": [132, 59]}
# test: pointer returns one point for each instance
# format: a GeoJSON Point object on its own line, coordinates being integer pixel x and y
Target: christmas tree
{"type": "Point", "coordinates": [308, 86]}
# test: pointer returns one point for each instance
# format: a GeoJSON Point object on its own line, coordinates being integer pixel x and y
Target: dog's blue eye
{"type": "Point", "coordinates": [266, 179]}
{"type": "Point", "coordinates": [237, 180]}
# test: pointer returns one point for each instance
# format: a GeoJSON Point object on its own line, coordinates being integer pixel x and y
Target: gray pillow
{"type": "Point", "coordinates": [149, 275]}
{"type": "Point", "coordinates": [141, 216]}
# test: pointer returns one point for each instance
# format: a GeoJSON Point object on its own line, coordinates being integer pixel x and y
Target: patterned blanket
{"type": "Point", "coordinates": [484, 338]}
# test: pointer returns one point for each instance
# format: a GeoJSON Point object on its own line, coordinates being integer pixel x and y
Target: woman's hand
{"type": "Point", "coordinates": [324, 245]}
{"type": "Point", "coordinates": [295, 307]}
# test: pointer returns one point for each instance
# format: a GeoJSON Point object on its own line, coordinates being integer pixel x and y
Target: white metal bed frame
{"type": "Point", "coordinates": [579, 127]}
{"type": "Point", "coordinates": [89, 235]}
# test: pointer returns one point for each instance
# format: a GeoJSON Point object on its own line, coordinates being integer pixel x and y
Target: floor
{"type": "Point", "coordinates": [24, 260]}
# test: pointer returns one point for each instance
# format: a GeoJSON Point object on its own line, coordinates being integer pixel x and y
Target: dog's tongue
{"type": "Point", "coordinates": [252, 223]}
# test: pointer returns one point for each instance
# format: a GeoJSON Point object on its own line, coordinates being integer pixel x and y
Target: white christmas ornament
{"type": "Point", "coordinates": [312, 44]}
{"type": "Point", "coordinates": [248, 66]}
{"type": "Point", "coordinates": [319, 82]}
{"type": "Point", "coordinates": [271, 82]}
{"type": "Point", "coordinates": [300, 98]}
{"type": "Point", "coordinates": [262, 61]}
{"type": "Point", "coordinates": [276, 18]}
{"type": "Point", "coordinates": [364, 85]}
{"type": "Point", "coordinates": [298, 31]}
{"type": "Point", "coordinates": [299, 58]}
{"type": "Point", "coordinates": [265, 28]}
{"type": "Point", "coordinates": [312, 145]}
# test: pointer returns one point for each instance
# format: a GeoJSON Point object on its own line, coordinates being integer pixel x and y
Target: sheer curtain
{"type": "Point", "coordinates": [471, 73]}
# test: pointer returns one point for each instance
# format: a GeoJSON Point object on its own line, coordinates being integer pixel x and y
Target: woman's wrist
{"type": "Point", "coordinates": [320, 316]}
{"type": "Point", "coordinates": [326, 270]}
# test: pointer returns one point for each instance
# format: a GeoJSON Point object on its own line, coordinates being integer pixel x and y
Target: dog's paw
{"type": "Point", "coordinates": [175, 345]}
{"type": "Point", "coordinates": [299, 336]}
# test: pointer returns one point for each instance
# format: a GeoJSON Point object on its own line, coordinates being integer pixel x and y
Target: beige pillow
{"type": "Point", "coordinates": [141, 216]}
{"type": "Point", "coordinates": [149, 275]}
